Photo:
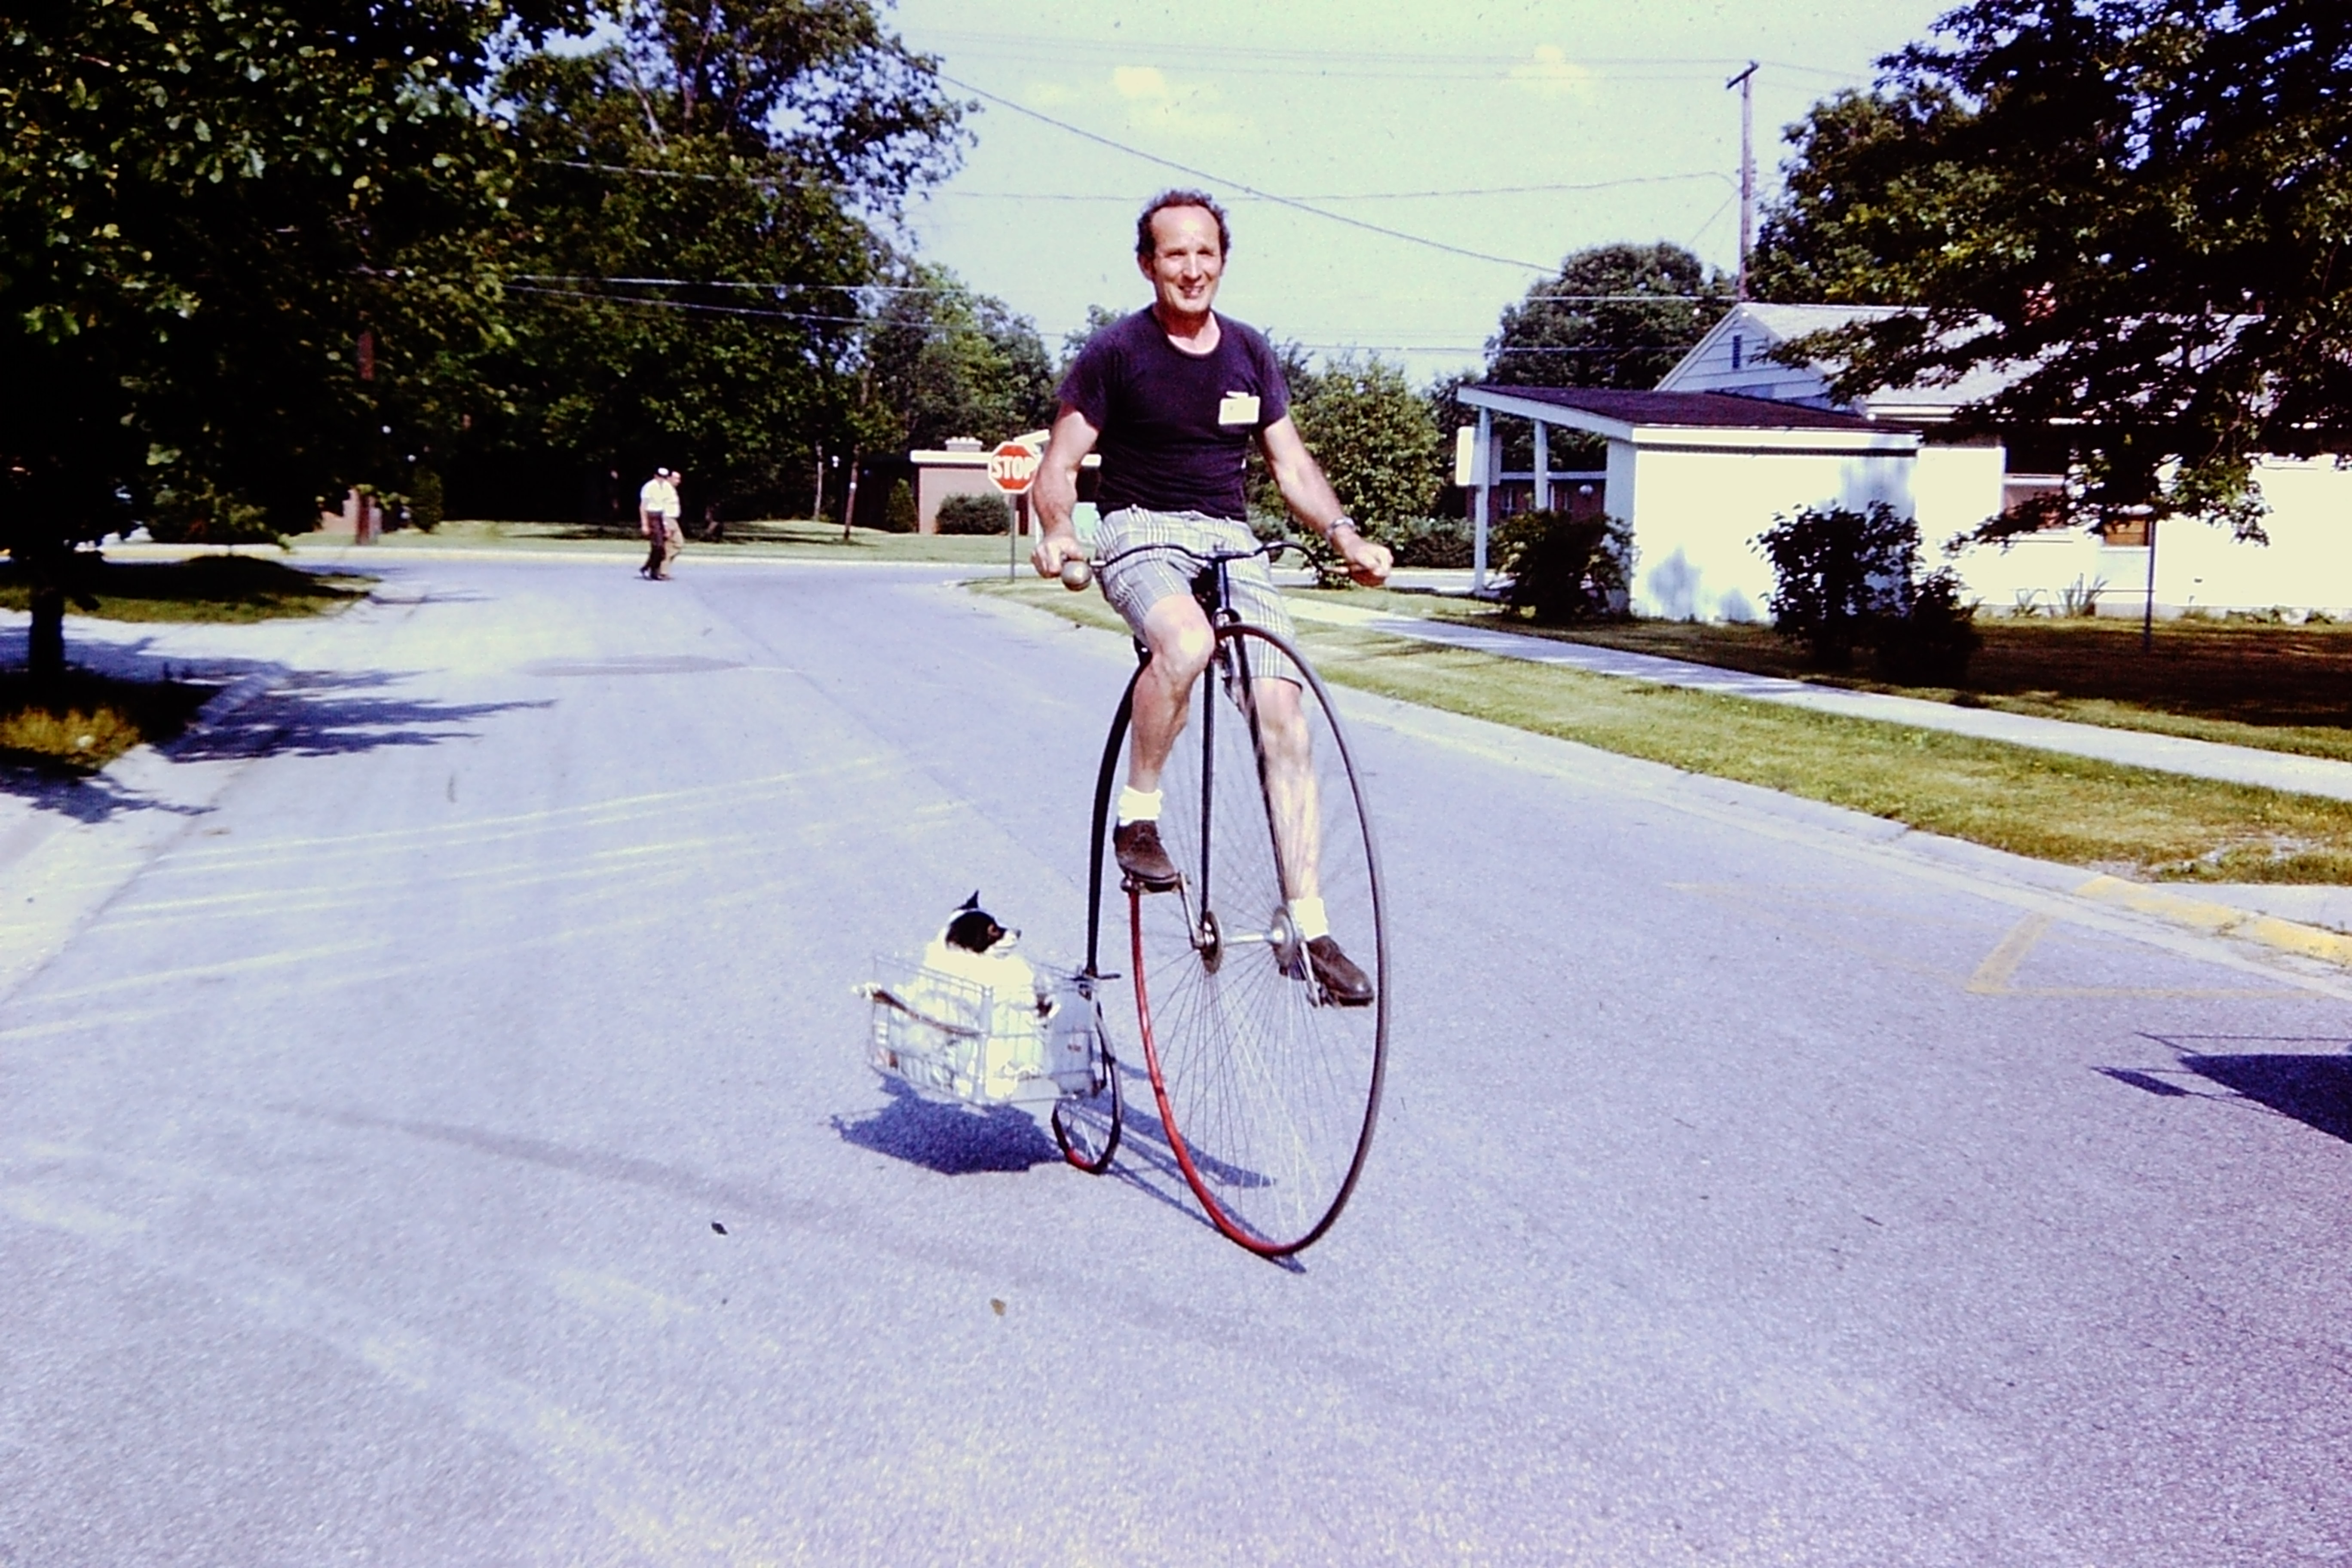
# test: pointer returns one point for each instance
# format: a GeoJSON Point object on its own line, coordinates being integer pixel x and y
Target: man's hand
{"type": "Point", "coordinates": [1056, 547]}
{"type": "Point", "coordinates": [1368, 563]}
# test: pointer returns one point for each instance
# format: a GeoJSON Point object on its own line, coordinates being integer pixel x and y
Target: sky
{"type": "Point", "coordinates": [1427, 117]}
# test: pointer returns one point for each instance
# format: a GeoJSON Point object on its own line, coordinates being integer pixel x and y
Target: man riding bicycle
{"type": "Point", "coordinates": [1173, 396]}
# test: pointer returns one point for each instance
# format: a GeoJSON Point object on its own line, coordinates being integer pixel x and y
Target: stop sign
{"type": "Point", "coordinates": [1012, 466]}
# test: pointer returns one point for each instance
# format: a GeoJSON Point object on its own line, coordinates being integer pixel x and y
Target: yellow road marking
{"type": "Point", "coordinates": [1999, 967]}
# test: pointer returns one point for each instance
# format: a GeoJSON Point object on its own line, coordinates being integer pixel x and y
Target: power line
{"type": "Point", "coordinates": [1384, 63]}
{"type": "Point", "coordinates": [733, 283]}
{"type": "Point", "coordinates": [1367, 195]}
{"type": "Point", "coordinates": [1291, 202]}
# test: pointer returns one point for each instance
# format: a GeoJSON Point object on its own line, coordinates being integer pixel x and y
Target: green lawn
{"type": "Point", "coordinates": [2127, 820]}
{"type": "Point", "coordinates": [2278, 688]}
{"type": "Point", "coordinates": [219, 588]}
{"type": "Point", "coordinates": [786, 539]}
{"type": "Point", "coordinates": [81, 722]}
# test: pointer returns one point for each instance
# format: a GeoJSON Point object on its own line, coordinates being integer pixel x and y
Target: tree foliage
{"type": "Point", "coordinates": [699, 202]}
{"type": "Point", "coordinates": [2144, 206]}
{"type": "Point", "coordinates": [204, 206]}
{"type": "Point", "coordinates": [1617, 316]}
{"type": "Point", "coordinates": [1374, 436]}
{"type": "Point", "coordinates": [947, 361]}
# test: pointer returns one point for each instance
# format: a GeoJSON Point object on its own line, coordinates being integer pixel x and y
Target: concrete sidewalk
{"type": "Point", "coordinates": [2133, 748]}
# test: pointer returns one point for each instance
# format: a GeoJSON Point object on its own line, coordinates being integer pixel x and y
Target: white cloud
{"type": "Point", "coordinates": [1155, 103]}
{"type": "Point", "coordinates": [1551, 74]}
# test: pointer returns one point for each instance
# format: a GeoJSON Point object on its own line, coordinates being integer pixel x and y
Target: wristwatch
{"type": "Point", "coordinates": [1339, 523]}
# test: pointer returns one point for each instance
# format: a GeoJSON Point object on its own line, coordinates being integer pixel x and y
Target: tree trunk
{"type": "Point", "coordinates": [46, 649]}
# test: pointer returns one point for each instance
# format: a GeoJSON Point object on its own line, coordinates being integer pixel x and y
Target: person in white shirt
{"type": "Point", "coordinates": [658, 520]}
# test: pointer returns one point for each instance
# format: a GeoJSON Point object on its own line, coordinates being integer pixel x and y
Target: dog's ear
{"type": "Point", "coordinates": [970, 903]}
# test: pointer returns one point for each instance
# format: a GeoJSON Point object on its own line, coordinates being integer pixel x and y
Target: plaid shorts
{"type": "Point", "coordinates": [1135, 585]}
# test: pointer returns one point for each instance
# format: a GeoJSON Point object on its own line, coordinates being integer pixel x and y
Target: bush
{"type": "Point", "coordinates": [1849, 579]}
{"type": "Point", "coordinates": [1563, 568]}
{"type": "Point", "coordinates": [1837, 571]}
{"type": "Point", "coordinates": [1931, 642]}
{"type": "Point", "coordinates": [898, 514]}
{"type": "Point", "coordinates": [424, 501]}
{"type": "Point", "coordinates": [207, 517]}
{"type": "Point", "coordinates": [982, 513]}
{"type": "Point", "coordinates": [1431, 542]}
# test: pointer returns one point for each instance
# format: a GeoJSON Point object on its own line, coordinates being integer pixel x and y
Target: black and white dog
{"type": "Point", "coordinates": [975, 946]}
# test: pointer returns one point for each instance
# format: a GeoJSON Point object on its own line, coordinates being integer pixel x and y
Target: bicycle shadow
{"type": "Point", "coordinates": [961, 1141]}
{"type": "Point", "coordinates": [953, 1140]}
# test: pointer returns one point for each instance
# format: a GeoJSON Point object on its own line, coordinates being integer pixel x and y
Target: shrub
{"type": "Point", "coordinates": [1565, 569]}
{"type": "Point", "coordinates": [426, 500]}
{"type": "Point", "coordinates": [898, 514]}
{"type": "Point", "coordinates": [1430, 542]}
{"type": "Point", "coordinates": [1837, 571]}
{"type": "Point", "coordinates": [981, 513]}
{"type": "Point", "coordinates": [207, 517]}
{"type": "Point", "coordinates": [1931, 641]}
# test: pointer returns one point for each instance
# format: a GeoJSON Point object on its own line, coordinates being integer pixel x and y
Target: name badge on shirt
{"type": "Point", "coordinates": [1238, 408]}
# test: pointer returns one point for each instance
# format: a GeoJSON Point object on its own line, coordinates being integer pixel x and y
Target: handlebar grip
{"type": "Point", "coordinates": [1077, 574]}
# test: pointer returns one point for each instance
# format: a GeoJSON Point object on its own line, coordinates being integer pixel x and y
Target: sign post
{"type": "Point", "coordinates": [1011, 467]}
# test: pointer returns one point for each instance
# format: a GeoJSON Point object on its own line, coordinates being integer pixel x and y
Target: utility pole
{"type": "Point", "coordinates": [1746, 82]}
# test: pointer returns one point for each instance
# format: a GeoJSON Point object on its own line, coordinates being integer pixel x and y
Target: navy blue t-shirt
{"type": "Point", "coordinates": [1175, 427]}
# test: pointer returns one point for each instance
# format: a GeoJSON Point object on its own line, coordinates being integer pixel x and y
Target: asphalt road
{"type": "Point", "coordinates": [1750, 1187]}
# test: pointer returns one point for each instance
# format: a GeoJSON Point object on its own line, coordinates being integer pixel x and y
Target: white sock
{"type": "Point", "coordinates": [1306, 917]}
{"type": "Point", "coordinates": [1137, 805]}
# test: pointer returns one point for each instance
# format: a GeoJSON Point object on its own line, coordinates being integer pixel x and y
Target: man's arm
{"type": "Point", "coordinates": [1056, 491]}
{"type": "Point", "coordinates": [1309, 497]}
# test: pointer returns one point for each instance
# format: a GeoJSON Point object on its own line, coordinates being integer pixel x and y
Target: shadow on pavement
{"type": "Point", "coordinates": [953, 1140]}
{"type": "Point", "coordinates": [294, 713]}
{"type": "Point", "coordinates": [2314, 1090]}
{"type": "Point", "coordinates": [2310, 1082]}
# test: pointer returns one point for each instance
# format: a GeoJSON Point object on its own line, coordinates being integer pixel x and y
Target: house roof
{"type": "Point", "coordinates": [1780, 323]}
{"type": "Point", "coordinates": [1682, 410]}
{"type": "Point", "coordinates": [1716, 420]}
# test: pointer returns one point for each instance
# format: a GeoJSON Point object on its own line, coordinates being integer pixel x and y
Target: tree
{"type": "Point", "coordinates": [698, 201]}
{"type": "Point", "coordinates": [2142, 207]}
{"type": "Point", "coordinates": [233, 249]}
{"type": "Point", "coordinates": [1374, 438]}
{"type": "Point", "coordinates": [1617, 315]}
{"type": "Point", "coordinates": [947, 361]}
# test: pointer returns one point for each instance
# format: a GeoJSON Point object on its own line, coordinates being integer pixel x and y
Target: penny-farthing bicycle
{"type": "Point", "coordinates": [1266, 1087]}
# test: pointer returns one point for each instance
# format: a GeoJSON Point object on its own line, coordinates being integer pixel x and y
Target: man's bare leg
{"type": "Point", "coordinates": [1177, 632]}
{"type": "Point", "coordinates": [1291, 791]}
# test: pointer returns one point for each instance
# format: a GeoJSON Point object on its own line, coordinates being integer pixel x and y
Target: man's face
{"type": "Point", "coordinates": [1186, 260]}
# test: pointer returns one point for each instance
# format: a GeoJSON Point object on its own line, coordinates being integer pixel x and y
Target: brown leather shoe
{"type": "Point", "coordinates": [1342, 982]}
{"type": "Point", "coordinates": [1141, 856]}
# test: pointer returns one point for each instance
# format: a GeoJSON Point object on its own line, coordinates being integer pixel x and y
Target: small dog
{"type": "Point", "coordinates": [975, 947]}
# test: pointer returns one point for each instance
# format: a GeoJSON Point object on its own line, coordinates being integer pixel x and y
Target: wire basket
{"type": "Point", "coordinates": [948, 1038]}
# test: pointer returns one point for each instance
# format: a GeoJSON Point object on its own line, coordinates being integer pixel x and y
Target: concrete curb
{"type": "Point", "coordinates": [2221, 920]}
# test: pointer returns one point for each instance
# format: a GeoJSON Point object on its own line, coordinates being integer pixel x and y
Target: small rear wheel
{"type": "Point", "coordinates": [1087, 1125]}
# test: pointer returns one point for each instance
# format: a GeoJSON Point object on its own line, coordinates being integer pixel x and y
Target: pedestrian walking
{"type": "Point", "coordinates": [658, 520]}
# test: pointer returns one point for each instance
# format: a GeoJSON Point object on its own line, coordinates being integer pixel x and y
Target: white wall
{"type": "Point", "coordinates": [1953, 489]}
{"type": "Point", "coordinates": [1697, 513]}
{"type": "Point", "coordinates": [2306, 566]}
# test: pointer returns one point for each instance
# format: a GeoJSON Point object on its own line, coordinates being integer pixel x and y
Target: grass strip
{"type": "Point", "coordinates": [2274, 688]}
{"type": "Point", "coordinates": [81, 722]}
{"type": "Point", "coordinates": [232, 589]}
{"type": "Point", "coordinates": [2128, 821]}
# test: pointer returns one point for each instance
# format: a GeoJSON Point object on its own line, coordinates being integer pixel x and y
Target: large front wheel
{"type": "Point", "coordinates": [1268, 1081]}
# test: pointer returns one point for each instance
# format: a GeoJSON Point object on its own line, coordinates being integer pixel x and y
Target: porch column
{"type": "Point", "coordinates": [1485, 479]}
{"type": "Point", "coordinates": [1543, 467]}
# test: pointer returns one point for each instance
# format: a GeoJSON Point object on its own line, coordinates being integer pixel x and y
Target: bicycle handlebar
{"type": "Point", "coordinates": [1078, 573]}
